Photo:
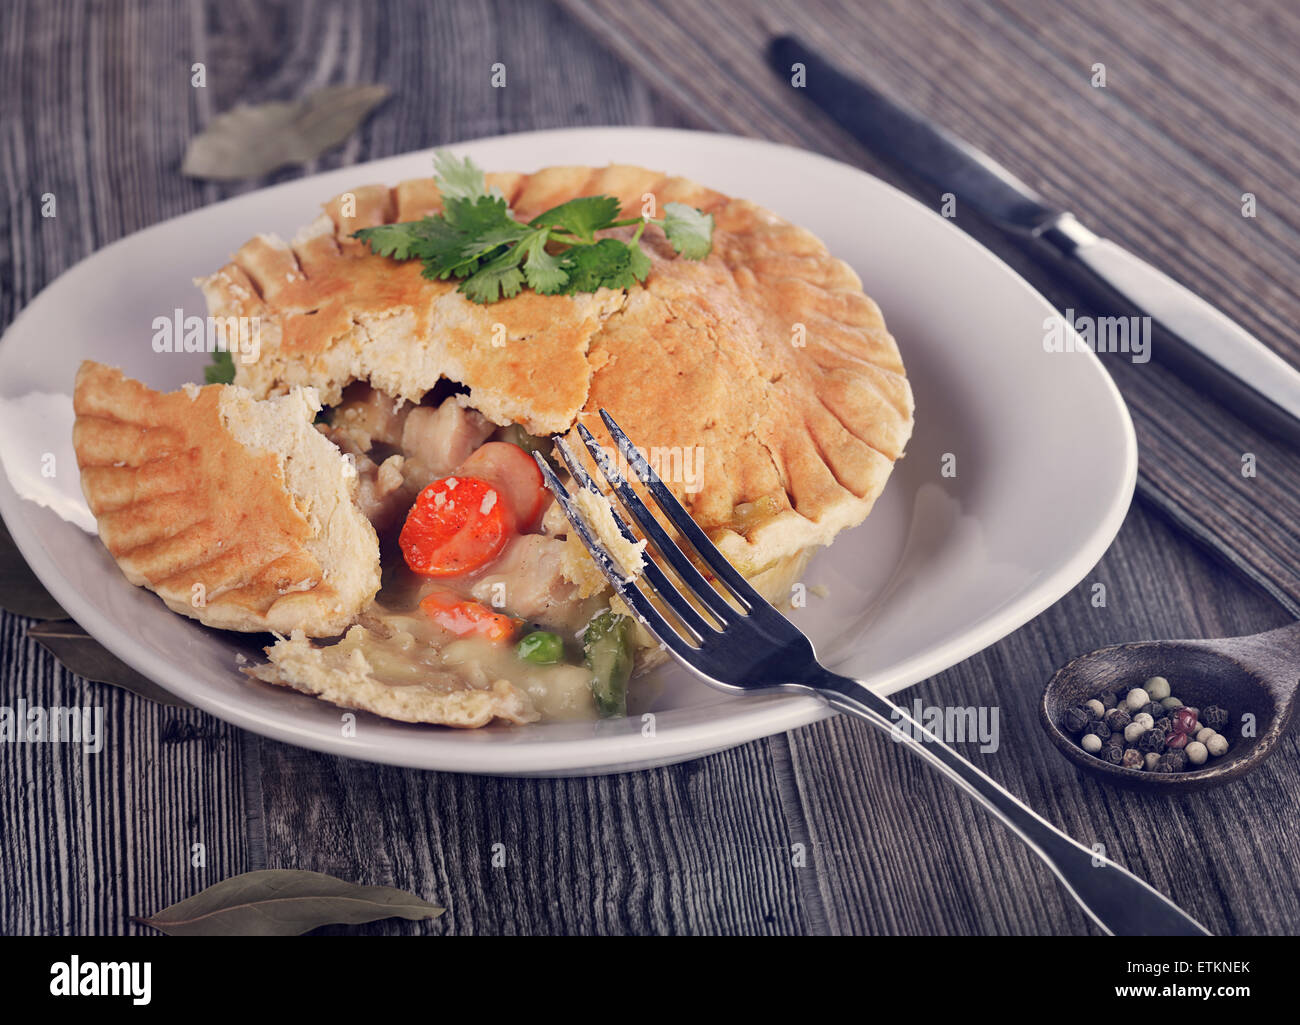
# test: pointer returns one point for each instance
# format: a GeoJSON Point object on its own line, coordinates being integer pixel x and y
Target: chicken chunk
{"type": "Point", "coordinates": [369, 416]}
{"type": "Point", "coordinates": [437, 440]}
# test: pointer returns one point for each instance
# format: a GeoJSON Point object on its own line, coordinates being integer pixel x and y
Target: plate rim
{"type": "Point", "coordinates": [746, 721]}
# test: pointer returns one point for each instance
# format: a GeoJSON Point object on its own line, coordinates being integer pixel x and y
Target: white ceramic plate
{"type": "Point", "coordinates": [1045, 458]}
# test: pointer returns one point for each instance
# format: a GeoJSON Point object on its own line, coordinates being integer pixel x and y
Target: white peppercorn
{"type": "Point", "coordinates": [1205, 733]}
{"type": "Point", "coordinates": [1171, 702]}
{"type": "Point", "coordinates": [1157, 687]}
{"type": "Point", "coordinates": [1149, 763]}
{"type": "Point", "coordinates": [1144, 720]}
{"type": "Point", "coordinates": [1134, 730]}
{"type": "Point", "coordinates": [1196, 752]}
{"type": "Point", "coordinates": [1095, 707]}
{"type": "Point", "coordinates": [1091, 743]}
{"type": "Point", "coordinates": [1217, 744]}
{"type": "Point", "coordinates": [1137, 697]}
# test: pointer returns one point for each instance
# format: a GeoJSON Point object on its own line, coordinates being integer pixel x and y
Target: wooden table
{"type": "Point", "coordinates": [1200, 106]}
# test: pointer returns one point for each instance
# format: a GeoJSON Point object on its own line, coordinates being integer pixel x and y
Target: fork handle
{"type": "Point", "coordinates": [1118, 901]}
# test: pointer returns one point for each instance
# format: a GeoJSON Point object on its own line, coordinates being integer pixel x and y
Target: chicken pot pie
{"type": "Point", "coordinates": [761, 381]}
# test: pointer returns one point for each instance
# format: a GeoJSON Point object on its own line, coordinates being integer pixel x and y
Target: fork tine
{"type": "Point", "coordinates": [658, 579]}
{"type": "Point", "coordinates": [681, 519]}
{"type": "Point", "coordinates": [626, 588]}
{"type": "Point", "coordinates": [686, 570]}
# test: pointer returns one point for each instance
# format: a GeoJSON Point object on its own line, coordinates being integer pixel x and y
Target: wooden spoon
{"type": "Point", "coordinates": [1255, 676]}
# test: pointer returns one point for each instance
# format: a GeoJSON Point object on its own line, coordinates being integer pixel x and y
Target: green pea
{"type": "Point", "coordinates": [540, 647]}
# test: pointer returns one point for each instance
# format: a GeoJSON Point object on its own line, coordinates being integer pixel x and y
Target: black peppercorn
{"type": "Point", "coordinates": [1112, 753]}
{"type": "Point", "coordinates": [1117, 719]}
{"type": "Point", "coordinates": [1075, 719]}
{"type": "Point", "coordinates": [1107, 698]}
{"type": "Point", "coordinates": [1176, 760]}
{"type": "Point", "coordinates": [1098, 727]}
{"type": "Point", "coordinates": [1152, 741]}
{"type": "Point", "coordinates": [1163, 766]}
{"type": "Point", "coordinates": [1154, 709]}
{"type": "Point", "coordinates": [1214, 717]}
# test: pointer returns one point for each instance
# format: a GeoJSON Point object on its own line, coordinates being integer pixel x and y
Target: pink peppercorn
{"type": "Point", "coordinates": [1185, 720]}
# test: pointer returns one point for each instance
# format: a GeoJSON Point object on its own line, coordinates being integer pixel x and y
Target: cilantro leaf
{"type": "Point", "coordinates": [499, 278]}
{"type": "Point", "coordinates": [457, 178]}
{"type": "Point", "coordinates": [221, 370]}
{"type": "Point", "coordinates": [542, 269]}
{"type": "Point", "coordinates": [477, 239]}
{"type": "Point", "coordinates": [638, 262]}
{"type": "Point", "coordinates": [607, 263]}
{"type": "Point", "coordinates": [398, 241]}
{"type": "Point", "coordinates": [689, 231]}
{"type": "Point", "coordinates": [582, 217]}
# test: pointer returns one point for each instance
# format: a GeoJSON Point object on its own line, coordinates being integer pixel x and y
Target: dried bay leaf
{"type": "Point", "coordinates": [20, 591]}
{"type": "Point", "coordinates": [86, 657]}
{"type": "Point", "coordinates": [285, 902]}
{"type": "Point", "coordinates": [251, 141]}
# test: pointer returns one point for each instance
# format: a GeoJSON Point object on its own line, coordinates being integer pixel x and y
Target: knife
{"type": "Point", "coordinates": [1196, 339]}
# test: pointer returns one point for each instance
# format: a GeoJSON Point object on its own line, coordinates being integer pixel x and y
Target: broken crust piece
{"type": "Point", "coordinates": [236, 512]}
{"type": "Point", "coordinates": [350, 683]}
{"type": "Point", "coordinates": [764, 368]}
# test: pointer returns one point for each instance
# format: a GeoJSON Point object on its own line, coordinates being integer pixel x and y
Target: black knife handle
{"type": "Point", "coordinates": [920, 150]}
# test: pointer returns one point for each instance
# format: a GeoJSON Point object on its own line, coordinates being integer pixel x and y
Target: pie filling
{"type": "Point", "coordinates": [477, 566]}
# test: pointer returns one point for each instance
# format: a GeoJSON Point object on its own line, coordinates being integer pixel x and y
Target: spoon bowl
{"type": "Point", "coordinates": [1255, 678]}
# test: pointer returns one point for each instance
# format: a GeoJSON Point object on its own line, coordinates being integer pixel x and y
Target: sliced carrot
{"type": "Point", "coordinates": [457, 525]}
{"type": "Point", "coordinates": [463, 617]}
{"type": "Point", "coordinates": [514, 472]}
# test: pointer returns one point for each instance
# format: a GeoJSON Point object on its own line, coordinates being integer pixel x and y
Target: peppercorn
{"type": "Point", "coordinates": [1153, 740]}
{"type": "Point", "coordinates": [1185, 720]}
{"type": "Point", "coordinates": [1151, 708]}
{"type": "Point", "coordinates": [1164, 724]}
{"type": "Point", "coordinates": [1117, 719]}
{"type": "Point", "coordinates": [1176, 759]}
{"type": "Point", "coordinates": [1107, 699]}
{"type": "Point", "coordinates": [1157, 687]}
{"type": "Point", "coordinates": [1176, 740]}
{"type": "Point", "coordinates": [1136, 698]}
{"type": "Point", "coordinates": [1217, 744]}
{"type": "Point", "coordinates": [1075, 719]}
{"type": "Point", "coordinates": [1097, 727]}
{"type": "Point", "coordinates": [1150, 760]}
{"type": "Point", "coordinates": [1163, 766]}
{"type": "Point", "coordinates": [1132, 759]}
{"type": "Point", "coordinates": [1171, 702]}
{"type": "Point", "coordinates": [1091, 743]}
{"type": "Point", "coordinates": [1197, 752]}
{"type": "Point", "coordinates": [1214, 716]}
{"type": "Point", "coordinates": [1112, 753]}
{"type": "Point", "coordinates": [1133, 731]}
{"type": "Point", "coordinates": [1095, 708]}
{"type": "Point", "coordinates": [1144, 720]}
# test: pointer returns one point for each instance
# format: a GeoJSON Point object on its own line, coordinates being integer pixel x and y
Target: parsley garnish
{"type": "Point", "coordinates": [477, 239]}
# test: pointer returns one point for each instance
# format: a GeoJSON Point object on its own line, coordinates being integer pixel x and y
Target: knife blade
{"type": "Point", "coordinates": [1196, 339]}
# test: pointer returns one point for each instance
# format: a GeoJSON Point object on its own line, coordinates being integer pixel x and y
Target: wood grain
{"type": "Point", "coordinates": [96, 107]}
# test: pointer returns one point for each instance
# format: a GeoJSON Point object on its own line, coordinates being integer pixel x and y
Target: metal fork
{"type": "Point", "coordinates": [741, 643]}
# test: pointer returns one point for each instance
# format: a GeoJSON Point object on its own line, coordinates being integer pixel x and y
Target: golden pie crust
{"type": "Point", "coordinates": [234, 511]}
{"type": "Point", "coordinates": [765, 362]}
